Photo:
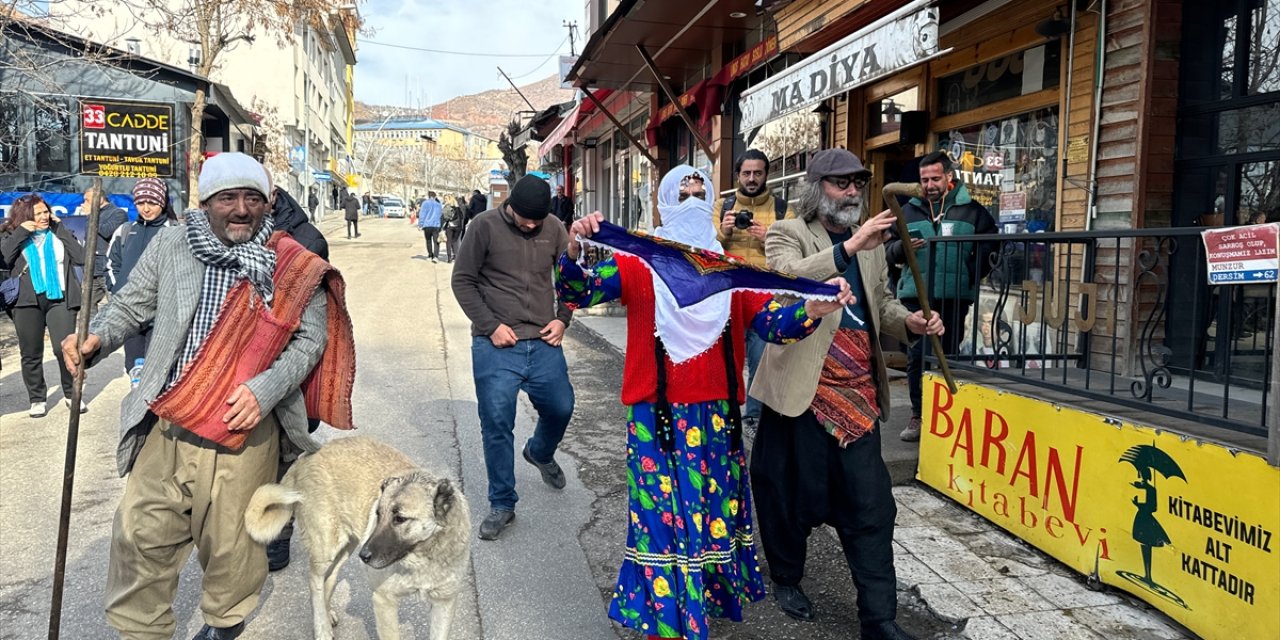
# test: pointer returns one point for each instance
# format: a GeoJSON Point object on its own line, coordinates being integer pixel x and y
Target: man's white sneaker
{"type": "Point", "coordinates": [84, 407]}
{"type": "Point", "coordinates": [38, 410]}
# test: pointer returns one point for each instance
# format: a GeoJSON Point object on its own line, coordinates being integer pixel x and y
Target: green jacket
{"type": "Point", "coordinates": [953, 268]}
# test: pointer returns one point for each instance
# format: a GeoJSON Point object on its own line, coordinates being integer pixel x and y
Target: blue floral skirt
{"type": "Point", "coordinates": [690, 542]}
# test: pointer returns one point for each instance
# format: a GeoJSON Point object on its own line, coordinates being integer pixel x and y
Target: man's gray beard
{"type": "Point", "coordinates": [840, 212]}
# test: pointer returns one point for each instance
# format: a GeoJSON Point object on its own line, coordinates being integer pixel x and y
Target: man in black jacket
{"type": "Point", "coordinates": [110, 217]}
{"type": "Point", "coordinates": [291, 219]}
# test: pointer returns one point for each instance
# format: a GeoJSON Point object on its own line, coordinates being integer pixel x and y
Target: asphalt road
{"type": "Point", "coordinates": [551, 574]}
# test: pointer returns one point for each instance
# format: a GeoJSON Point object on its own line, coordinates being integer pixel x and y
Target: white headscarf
{"type": "Point", "coordinates": [688, 331]}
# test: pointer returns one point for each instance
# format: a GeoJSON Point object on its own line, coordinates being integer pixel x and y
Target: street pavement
{"type": "Point", "coordinates": [552, 573]}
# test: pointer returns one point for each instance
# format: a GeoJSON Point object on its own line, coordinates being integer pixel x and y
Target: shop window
{"type": "Point", "coordinates": [1016, 74]}
{"type": "Point", "coordinates": [1259, 192]}
{"type": "Point", "coordinates": [10, 135]}
{"type": "Point", "coordinates": [1010, 166]}
{"type": "Point", "coordinates": [788, 141]}
{"type": "Point", "coordinates": [1264, 47]}
{"type": "Point", "coordinates": [1249, 130]}
{"type": "Point", "coordinates": [53, 137]}
{"type": "Point", "coordinates": [885, 115]}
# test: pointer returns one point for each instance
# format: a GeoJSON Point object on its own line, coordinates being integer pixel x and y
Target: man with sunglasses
{"type": "Point", "coordinates": [816, 457]}
{"type": "Point", "coordinates": [743, 236]}
{"type": "Point", "coordinates": [952, 269]}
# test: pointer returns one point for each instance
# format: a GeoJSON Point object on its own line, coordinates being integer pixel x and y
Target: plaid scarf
{"type": "Point", "coordinates": [224, 266]}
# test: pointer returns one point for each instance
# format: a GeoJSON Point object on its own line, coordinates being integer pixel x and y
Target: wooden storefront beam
{"type": "Point", "coordinates": [675, 101]}
{"type": "Point", "coordinates": [626, 132]}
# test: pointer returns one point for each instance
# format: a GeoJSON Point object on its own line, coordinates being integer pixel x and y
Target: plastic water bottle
{"type": "Point", "coordinates": [135, 374]}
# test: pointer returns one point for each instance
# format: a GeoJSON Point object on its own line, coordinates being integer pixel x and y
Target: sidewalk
{"type": "Point", "coordinates": [988, 584]}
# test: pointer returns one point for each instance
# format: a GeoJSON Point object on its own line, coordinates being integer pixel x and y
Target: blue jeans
{"type": "Point", "coordinates": [538, 369]}
{"type": "Point", "coordinates": [755, 351]}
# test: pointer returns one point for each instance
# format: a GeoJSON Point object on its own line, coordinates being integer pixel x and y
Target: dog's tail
{"type": "Point", "coordinates": [269, 511]}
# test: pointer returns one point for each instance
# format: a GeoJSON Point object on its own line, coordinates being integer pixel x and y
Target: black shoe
{"type": "Point", "coordinates": [551, 473]}
{"type": "Point", "coordinates": [888, 630]}
{"type": "Point", "coordinates": [793, 601]}
{"type": "Point", "coordinates": [278, 554]}
{"type": "Point", "coordinates": [214, 633]}
{"type": "Point", "coordinates": [495, 523]}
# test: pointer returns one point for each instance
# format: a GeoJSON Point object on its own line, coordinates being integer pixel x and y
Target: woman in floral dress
{"type": "Point", "coordinates": [690, 544]}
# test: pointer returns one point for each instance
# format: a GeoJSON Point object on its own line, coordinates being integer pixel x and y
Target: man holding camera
{"type": "Point", "coordinates": [745, 216]}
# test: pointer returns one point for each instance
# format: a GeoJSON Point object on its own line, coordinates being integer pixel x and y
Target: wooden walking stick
{"type": "Point", "coordinates": [73, 426]}
{"type": "Point", "coordinates": [912, 189]}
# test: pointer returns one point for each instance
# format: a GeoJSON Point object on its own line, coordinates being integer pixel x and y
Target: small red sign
{"type": "Point", "coordinates": [95, 116]}
{"type": "Point", "coordinates": [1246, 254]}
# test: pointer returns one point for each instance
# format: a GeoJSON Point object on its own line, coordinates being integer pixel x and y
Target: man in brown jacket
{"type": "Point", "coordinates": [504, 280]}
{"type": "Point", "coordinates": [816, 458]}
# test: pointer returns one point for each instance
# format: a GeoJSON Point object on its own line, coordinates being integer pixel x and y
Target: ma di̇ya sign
{"type": "Point", "coordinates": [1189, 527]}
{"type": "Point", "coordinates": [867, 55]}
{"type": "Point", "coordinates": [126, 139]}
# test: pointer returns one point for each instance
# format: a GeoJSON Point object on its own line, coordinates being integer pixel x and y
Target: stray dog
{"type": "Point", "coordinates": [413, 529]}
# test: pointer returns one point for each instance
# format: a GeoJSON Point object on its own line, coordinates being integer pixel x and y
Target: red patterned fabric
{"type": "Point", "coordinates": [846, 399]}
{"type": "Point", "coordinates": [248, 337]}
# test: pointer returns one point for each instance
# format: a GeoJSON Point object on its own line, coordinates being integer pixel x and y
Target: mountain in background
{"type": "Point", "coordinates": [486, 113]}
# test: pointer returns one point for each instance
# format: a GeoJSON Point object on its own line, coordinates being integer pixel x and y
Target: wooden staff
{"type": "Point", "coordinates": [73, 426]}
{"type": "Point", "coordinates": [912, 189]}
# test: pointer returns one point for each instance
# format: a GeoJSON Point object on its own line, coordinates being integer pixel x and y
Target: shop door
{"type": "Point", "coordinates": [894, 163]}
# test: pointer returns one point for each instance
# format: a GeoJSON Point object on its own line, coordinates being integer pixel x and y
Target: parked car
{"type": "Point", "coordinates": [393, 207]}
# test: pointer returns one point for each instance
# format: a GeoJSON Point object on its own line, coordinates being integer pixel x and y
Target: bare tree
{"type": "Point", "coordinates": [213, 26]}
{"type": "Point", "coordinates": [517, 158]}
{"type": "Point", "coordinates": [272, 143]}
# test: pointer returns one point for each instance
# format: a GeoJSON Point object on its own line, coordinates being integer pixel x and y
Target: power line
{"type": "Point", "coordinates": [464, 53]}
{"type": "Point", "coordinates": [543, 63]}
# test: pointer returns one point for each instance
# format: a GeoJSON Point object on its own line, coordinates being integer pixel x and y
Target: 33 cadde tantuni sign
{"type": "Point", "coordinates": [889, 46]}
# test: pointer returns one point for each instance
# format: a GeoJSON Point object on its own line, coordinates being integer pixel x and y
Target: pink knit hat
{"type": "Point", "coordinates": [151, 190]}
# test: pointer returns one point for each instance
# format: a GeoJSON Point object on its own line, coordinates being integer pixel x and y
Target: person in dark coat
{"type": "Point", "coordinates": [479, 204]}
{"type": "Point", "coordinates": [454, 214]}
{"type": "Point", "coordinates": [291, 219]}
{"type": "Point", "coordinates": [352, 208]}
{"type": "Point", "coordinates": [562, 207]}
{"type": "Point", "coordinates": [151, 197]}
{"type": "Point", "coordinates": [110, 218]}
{"type": "Point", "coordinates": [313, 201]}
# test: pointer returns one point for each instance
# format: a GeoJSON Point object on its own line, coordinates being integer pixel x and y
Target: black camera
{"type": "Point", "coordinates": [742, 220]}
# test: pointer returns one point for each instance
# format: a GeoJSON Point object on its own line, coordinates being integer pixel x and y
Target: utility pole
{"type": "Point", "coordinates": [573, 30]}
{"type": "Point", "coordinates": [513, 86]}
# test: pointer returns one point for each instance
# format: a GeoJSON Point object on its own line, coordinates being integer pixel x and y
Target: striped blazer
{"type": "Point", "coordinates": [163, 290]}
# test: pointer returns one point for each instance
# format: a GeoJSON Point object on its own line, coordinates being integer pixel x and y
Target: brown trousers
{"type": "Point", "coordinates": [185, 490]}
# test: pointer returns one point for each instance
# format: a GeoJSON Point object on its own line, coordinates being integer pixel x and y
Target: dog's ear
{"type": "Point", "coordinates": [386, 482]}
{"type": "Point", "coordinates": [446, 497]}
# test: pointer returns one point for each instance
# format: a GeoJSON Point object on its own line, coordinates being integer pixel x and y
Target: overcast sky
{"type": "Point", "coordinates": [528, 27]}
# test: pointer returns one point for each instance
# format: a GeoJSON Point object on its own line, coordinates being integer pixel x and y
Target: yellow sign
{"type": "Point", "coordinates": [1188, 527]}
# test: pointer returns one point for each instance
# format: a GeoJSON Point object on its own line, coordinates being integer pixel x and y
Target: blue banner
{"type": "Point", "coordinates": [65, 205]}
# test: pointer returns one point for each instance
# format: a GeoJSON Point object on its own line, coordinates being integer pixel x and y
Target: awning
{"type": "Point", "coordinates": [220, 96]}
{"type": "Point", "coordinates": [708, 95]}
{"type": "Point", "coordinates": [899, 40]}
{"type": "Point", "coordinates": [562, 130]}
{"type": "Point", "coordinates": [677, 34]}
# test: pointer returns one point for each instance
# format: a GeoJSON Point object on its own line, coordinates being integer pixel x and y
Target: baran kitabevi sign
{"type": "Point", "coordinates": [126, 139]}
{"type": "Point", "coordinates": [867, 55]}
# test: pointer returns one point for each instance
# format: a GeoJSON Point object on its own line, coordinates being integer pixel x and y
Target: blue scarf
{"type": "Point", "coordinates": [44, 273]}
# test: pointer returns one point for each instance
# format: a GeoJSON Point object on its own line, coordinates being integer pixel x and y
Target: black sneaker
{"type": "Point", "coordinates": [793, 601]}
{"type": "Point", "coordinates": [215, 633]}
{"type": "Point", "coordinates": [278, 554]}
{"type": "Point", "coordinates": [551, 473]}
{"type": "Point", "coordinates": [495, 523]}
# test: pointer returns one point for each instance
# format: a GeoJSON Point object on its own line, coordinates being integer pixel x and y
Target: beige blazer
{"type": "Point", "coordinates": [787, 378]}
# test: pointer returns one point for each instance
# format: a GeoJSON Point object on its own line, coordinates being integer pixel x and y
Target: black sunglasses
{"type": "Point", "coordinates": [842, 182]}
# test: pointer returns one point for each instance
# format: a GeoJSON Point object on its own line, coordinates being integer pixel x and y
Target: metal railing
{"type": "Point", "coordinates": [1125, 317]}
